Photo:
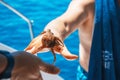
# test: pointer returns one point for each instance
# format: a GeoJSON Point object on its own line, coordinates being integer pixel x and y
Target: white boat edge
{"type": "Point", "coordinates": [45, 76]}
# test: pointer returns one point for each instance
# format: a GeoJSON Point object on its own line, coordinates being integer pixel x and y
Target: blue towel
{"type": "Point", "coordinates": [105, 51]}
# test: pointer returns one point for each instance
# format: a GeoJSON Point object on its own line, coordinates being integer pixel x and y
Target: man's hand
{"type": "Point", "coordinates": [47, 41]}
{"type": "Point", "coordinates": [27, 67]}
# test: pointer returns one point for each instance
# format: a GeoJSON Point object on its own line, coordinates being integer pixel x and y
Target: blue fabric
{"type": "Point", "coordinates": [10, 65]}
{"type": "Point", "coordinates": [105, 51]}
{"type": "Point", "coordinates": [81, 73]}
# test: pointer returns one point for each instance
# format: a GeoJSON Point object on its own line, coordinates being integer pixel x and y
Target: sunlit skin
{"type": "Point", "coordinates": [79, 15]}
{"type": "Point", "coordinates": [27, 66]}
{"type": "Point", "coordinates": [47, 41]}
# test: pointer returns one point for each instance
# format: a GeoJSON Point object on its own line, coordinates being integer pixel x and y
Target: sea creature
{"type": "Point", "coordinates": [46, 41]}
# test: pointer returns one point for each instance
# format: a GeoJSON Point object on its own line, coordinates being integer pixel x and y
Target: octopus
{"type": "Point", "coordinates": [47, 41]}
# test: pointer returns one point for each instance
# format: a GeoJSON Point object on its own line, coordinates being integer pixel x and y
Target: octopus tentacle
{"type": "Point", "coordinates": [53, 55]}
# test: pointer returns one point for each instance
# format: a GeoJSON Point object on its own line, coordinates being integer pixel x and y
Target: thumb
{"type": "Point", "coordinates": [35, 45]}
{"type": "Point", "coordinates": [32, 50]}
{"type": "Point", "coordinates": [49, 68]}
{"type": "Point", "coordinates": [65, 53]}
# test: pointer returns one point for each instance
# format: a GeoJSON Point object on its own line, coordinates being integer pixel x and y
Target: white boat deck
{"type": "Point", "coordinates": [45, 76]}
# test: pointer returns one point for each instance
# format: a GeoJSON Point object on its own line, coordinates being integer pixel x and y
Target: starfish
{"type": "Point", "coordinates": [46, 41]}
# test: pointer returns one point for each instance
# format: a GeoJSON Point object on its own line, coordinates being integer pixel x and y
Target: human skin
{"type": "Point", "coordinates": [79, 15]}
{"type": "Point", "coordinates": [27, 66]}
{"type": "Point", "coordinates": [3, 63]}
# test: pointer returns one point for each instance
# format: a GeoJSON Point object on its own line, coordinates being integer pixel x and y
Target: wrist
{"type": "Point", "coordinates": [55, 33]}
{"type": "Point", "coordinates": [57, 27]}
{"type": "Point", "coordinates": [3, 63]}
{"type": "Point", "coordinates": [7, 68]}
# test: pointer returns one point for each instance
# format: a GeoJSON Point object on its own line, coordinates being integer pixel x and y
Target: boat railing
{"type": "Point", "coordinates": [20, 15]}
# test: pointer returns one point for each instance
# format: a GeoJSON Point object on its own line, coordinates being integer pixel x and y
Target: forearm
{"type": "Point", "coordinates": [69, 21]}
{"type": "Point", "coordinates": [59, 28]}
{"type": "Point", "coordinates": [62, 26]}
{"type": "Point", "coordinates": [3, 63]}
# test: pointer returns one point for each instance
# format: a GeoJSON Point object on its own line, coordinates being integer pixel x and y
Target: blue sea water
{"type": "Point", "coordinates": [14, 30]}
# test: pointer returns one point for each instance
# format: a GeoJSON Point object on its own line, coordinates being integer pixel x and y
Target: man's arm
{"type": "Point", "coordinates": [61, 27]}
{"type": "Point", "coordinates": [71, 19]}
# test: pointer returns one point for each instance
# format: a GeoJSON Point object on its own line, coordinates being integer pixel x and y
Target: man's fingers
{"type": "Point", "coordinates": [48, 68]}
{"type": "Point", "coordinates": [31, 46]}
{"type": "Point", "coordinates": [69, 56]}
{"type": "Point", "coordinates": [65, 53]}
{"type": "Point", "coordinates": [32, 50]}
{"type": "Point", "coordinates": [34, 47]}
{"type": "Point", "coordinates": [33, 76]}
{"type": "Point", "coordinates": [28, 48]}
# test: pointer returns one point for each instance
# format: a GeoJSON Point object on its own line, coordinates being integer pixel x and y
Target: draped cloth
{"type": "Point", "coordinates": [105, 51]}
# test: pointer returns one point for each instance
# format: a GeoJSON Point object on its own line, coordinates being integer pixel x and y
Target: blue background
{"type": "Point", "coordinates": [14, 30]}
